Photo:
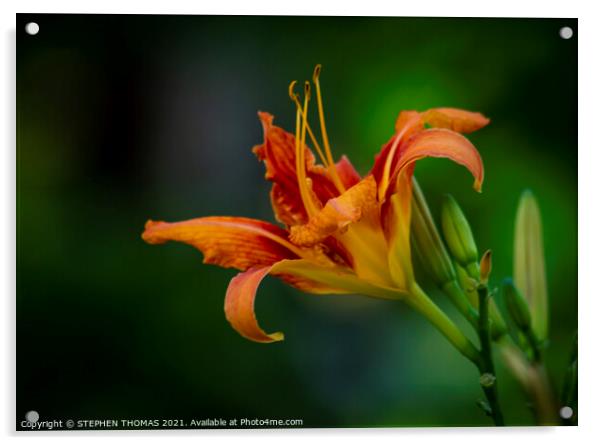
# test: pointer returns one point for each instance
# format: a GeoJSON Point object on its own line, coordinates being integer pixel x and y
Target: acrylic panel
{"type": "Point", "coordinates": [389, 241]}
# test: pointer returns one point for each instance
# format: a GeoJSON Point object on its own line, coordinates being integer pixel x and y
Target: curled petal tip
{"type": "Point", "coordinates": [149, 234]}
{"type": "Point", "coordinates": [239, 306]}
{"type": "Point", "coordinates": [478, 186]}
{"type": "Point", "coordinates": [277, 336]}
{"type": "Point", "coordinates": [444, 143]}
{"type": "Point", "coordinates": [455, 119]}
{"type": "Point", "coordinates": [268, 338]}
{"type": "Point", "coordinates": [265, 117]}
{"type": "Point", "coordinates": [266, 120]}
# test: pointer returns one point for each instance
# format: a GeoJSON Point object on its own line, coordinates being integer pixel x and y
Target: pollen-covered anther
{"type": "Point", "coordinates": [291, 92]}
{"type": "Point", "coordinates": [317, 70]}
{"type": "Point", "coordinates": [295, 98]}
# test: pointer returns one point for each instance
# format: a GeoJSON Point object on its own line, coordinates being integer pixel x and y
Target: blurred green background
{"type": "Point", "coordinates": [125, 118]}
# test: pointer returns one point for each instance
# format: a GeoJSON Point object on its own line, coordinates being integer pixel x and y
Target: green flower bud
{"type": "Point", "coordinates": [517, 305]}
{"type": "Point", "coordinates": [529, 263]}
{"type": "Point", "coordinates": [427, 242]}
{"type": "Point", "coordinates": [469, 285]}
{"type": "Point", "coordinates": [457, 233]}
{"type": "Point", "coordinates": [430, 249]}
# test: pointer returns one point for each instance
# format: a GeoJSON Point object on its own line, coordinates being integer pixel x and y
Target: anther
{"type": "Point", "coordinates": [317, 70]}
{"type": "Point", "coordinates": [291, 91]}
{"type": "Point", "coordinates": [307, 89]}
{"type": "Point", "coordinates": [301, 128]}
{"type": "Point", "coordinates": [295, 98]}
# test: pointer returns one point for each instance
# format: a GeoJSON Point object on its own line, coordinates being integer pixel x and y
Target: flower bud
{"type": "Point", "coordinates": [457, 233]}
{"type": "Point", "coordinates": [469, 285]}
{"type": "Point", "coordinates": [529, 264]}
{"type": "Point", "coordinates": [485, 267]}
{"type": "Point", "coordinates": [517, 305]}
{"type": "Point", "coordinates": [427, 242]}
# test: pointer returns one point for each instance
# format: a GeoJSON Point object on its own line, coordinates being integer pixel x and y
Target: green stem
{"type": "Point", "coordinates": [423, 304]}
{"type": "Point", "coordinates": [534, 380]}
{"type": "Point", "coordinates": [458, 297]}
{"type": "Point", "coordinates": [498, 325]}
{"type": "Point", "coordinates": [487, 366]}
{"type": "Point", "coordinates": [534, 343]}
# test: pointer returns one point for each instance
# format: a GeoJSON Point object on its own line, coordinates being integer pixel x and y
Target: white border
{"type": "Point", "coordinates": [590, 157]}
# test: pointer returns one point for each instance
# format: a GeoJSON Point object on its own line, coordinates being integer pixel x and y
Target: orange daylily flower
{"type": "Point", "coordinates": [342, 234]}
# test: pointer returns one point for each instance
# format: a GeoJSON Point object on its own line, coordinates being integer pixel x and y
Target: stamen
{"type": "Point", "coordinates": [384, 184]}
{"type": "Point", "coordinates": [308, 203]}
{"type": "Point", "coordinates": [295, 98]}
{"type": "Point", "coordinates": [291, 91]}
{"type": "Point", "coordinates": [331, 166]}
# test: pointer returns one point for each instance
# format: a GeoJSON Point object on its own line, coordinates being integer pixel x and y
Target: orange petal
{"type": "Point", "coordinates": [454, 119]}
{"type": "Point", "coordinates": [318, 279]}
{"type": "Point", "coordinates": [227, 241]}
{"type": "Point", "coordinates": [240, 296]}
{"type": "Point", "coordinates": [322, 184]}
{"type": "Point", "coordinates": [288, 207]}
{"type": "Point", "coordinates": [347, 172]}
{"type": "Point", "coordinates": [381, 159]}
{"type": "Point", "coordinates": [407, 125]}
{"type": "Point", "coordinates": [396, 210]}
{"type": "Point", "coordinates": [441, 143]}
{"type": "Point", "coordinates": [278, 153]}
{"type": "Point", "coordinates": [240, 305]}
{"type": "Point", "coordinates": [406, 117]}
{"type": "Point", "coordinates": [396, 215]}
{"type": "Point", "coordinates": [337, 214]}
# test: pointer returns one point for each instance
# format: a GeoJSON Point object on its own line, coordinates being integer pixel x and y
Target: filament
{"type": "Point", "coordinates": [308, 203]}
{"type": "Point", "coordinates": [295, 98]}
{"type": "Point", "coordinates": [331, 166]}
{"type": "Point", "coordinates": [387, 168]}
